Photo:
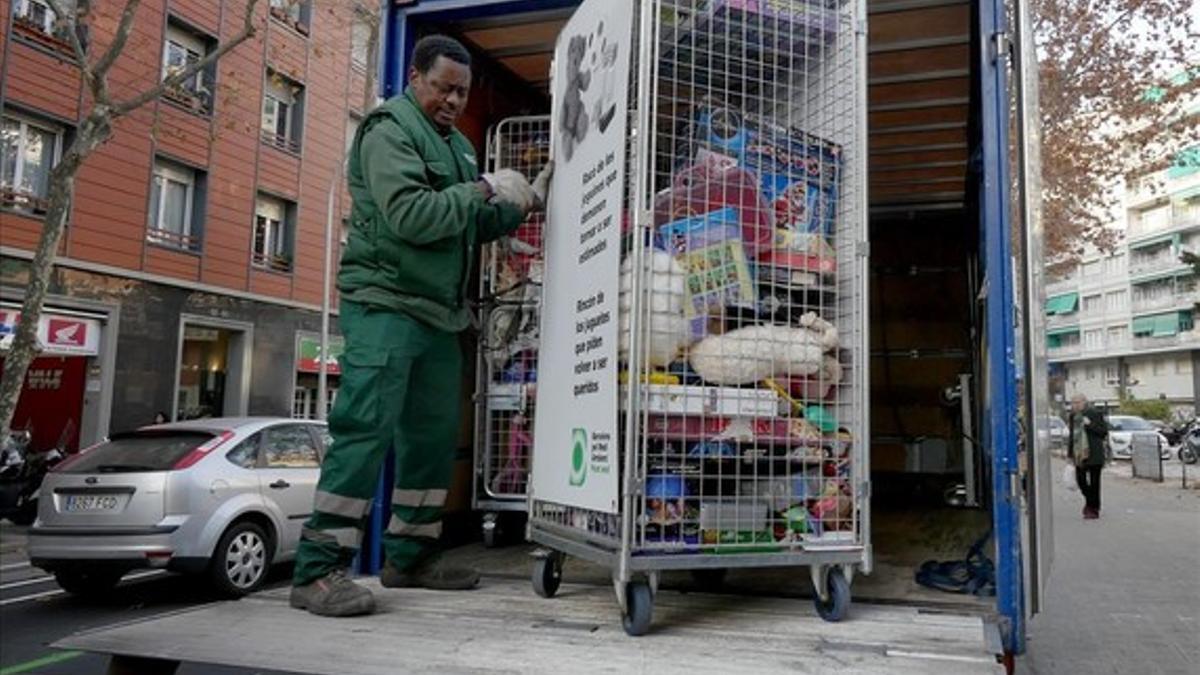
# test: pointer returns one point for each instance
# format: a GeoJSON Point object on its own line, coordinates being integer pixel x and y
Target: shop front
{"type": "Point", "coordinates": [306, 390]}
{"type": "Point", "coordinates": [63, 385]}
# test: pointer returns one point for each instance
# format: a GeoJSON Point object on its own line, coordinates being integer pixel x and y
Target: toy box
{"type": "Point", "coordinates": [710, 249]}
{"type": "Point", "coordinates": [723, 401]}
{"type": "Point", "coordinates": [800, 174]}
{"type": "Point", "coordinates": [712, 184]}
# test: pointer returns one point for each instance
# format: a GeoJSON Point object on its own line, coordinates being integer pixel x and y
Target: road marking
{"type": "Point", "coordinates": [14, 566]}
{"type": "Point", "coordinates": [35, 596]}
{"type": "Point", "coordinates": [46, 594]}
{"type": "Point", "coordinates": [26, 582]}
{"type": "Point", "coordinates": [48, 660]}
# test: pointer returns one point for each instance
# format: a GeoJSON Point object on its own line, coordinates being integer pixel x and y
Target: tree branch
{"type": "Point", "coordinates": [119, 39]}
{"type": "Point", "coordinates": [248, 31]}
{"type": "Point", "coordinates": [73, 33]}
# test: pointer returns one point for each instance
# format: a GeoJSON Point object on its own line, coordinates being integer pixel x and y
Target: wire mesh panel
{"type": "Point", "coordinates": [510, 296]}
{"type": "Point", "coordinates": [749, 376]}
{"type": "Point", "coordinates": [742, 323]}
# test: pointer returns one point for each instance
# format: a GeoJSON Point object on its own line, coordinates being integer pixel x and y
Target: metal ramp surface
{"type": "Point", "coordinates": [504, 628]}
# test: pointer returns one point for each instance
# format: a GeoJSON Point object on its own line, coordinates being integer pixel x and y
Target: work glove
{"type": "Point", "coordinates": [541, 184]}
{"type": "Point", "coordinates": [510, 187]}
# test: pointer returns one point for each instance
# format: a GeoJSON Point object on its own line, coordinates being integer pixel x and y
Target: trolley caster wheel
{"type": "Point", "coordinates": [491, 530]}
{"type": "Point", "coordinates": [838, 604]}
{"type": "Point", "coordinates": [710, 579]}
{"type": "Point", "coordinates": [547, 575]}
{"type": "Point", "coordinates": [639, 608]}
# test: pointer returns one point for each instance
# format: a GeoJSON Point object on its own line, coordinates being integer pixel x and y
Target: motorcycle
{"type": "Point", "coordinates": [21, 474]}
{"type": "Point", "coordinates": [1189, 449]}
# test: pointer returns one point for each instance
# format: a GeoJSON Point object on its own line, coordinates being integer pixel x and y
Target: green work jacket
{"type": "Point", "coordinates": [417, 218]}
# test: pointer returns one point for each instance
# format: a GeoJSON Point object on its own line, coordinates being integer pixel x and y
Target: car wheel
{"type": "Point", "coordinates": [88, 583]}
{"type": "Point", "coordinates": [241, 560]}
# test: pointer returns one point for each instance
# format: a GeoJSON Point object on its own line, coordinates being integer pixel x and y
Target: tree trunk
{"type": "Point", "coordinates": [94, 131]}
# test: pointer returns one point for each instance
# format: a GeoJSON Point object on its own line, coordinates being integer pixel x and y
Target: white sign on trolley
{"type": "Point", "coordinates": [575, 429]}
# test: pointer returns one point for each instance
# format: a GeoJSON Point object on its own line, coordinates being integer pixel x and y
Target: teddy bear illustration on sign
{"type": "Point", "coordinates": [606, 107]}
{"type": "Point", "coordinates": [574, 122]}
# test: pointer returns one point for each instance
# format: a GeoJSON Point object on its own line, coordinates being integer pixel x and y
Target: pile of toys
{"type": "Point", "coordinates": [742, 359]}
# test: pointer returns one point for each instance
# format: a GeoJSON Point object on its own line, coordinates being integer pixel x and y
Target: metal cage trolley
{"type": "Point", "coordinates": [510, 292]}
{"type": "Point", "coordinates": [740, 430]}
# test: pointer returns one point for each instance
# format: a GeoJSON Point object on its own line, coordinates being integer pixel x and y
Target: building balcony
{"type": "Point", "coordinates": [1180, 300]}
{"type": "Point", "coordinates": [1064, 351]}
{"type": "Point", "coordinates": [1154, 264]}
{"type": "Point", "coordinates": [1188, 338]}
{"type": "Point", "coordinates": [1062, 320]}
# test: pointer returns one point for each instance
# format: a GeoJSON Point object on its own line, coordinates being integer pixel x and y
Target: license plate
{"type": "Point", "coordinates": [90, 503]}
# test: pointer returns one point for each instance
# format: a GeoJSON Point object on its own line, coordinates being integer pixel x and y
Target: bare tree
{"type": "Point", "coordinates": [1113, 75]}
{"type": "Point", "coordinates": [95, 129]}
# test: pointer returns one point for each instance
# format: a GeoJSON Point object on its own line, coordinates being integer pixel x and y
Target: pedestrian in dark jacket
{"type": "Point", "coordinates": [1088, 430]}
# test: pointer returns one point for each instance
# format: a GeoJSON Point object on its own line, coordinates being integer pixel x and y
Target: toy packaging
{"type": "Point", "coordinates": [717, 272]}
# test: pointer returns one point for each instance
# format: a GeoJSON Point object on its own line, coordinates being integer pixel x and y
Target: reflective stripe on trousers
{"type": "Point", "coordinates": [401, 528]}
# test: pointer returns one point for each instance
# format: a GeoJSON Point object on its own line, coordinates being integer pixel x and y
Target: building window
{"type": "Point", "coordinates": [1118, 336]}
{"type": "Point", "coordinates": [28, 150]}
{"type": "Point", "coordinates": [293, 13]}
{"type": "Point", "coordinates": [1183, 365]}
{"type": "Point", "coordinates": [1115, 263]}
{"type": "Point", "coordinates": [1160, 366]}
{"type": "Point", "coordinates": [273, 225]}
{"type": "Point", "coordinates": [1091, 269]}
{"type": "Point", "coordinates": [1091, 372]}
{"type": "Point", "coordinates": [1091, 304]}
{"type": "Point", "coordinates": [1115, 300]}
{"type": "Point", "coordinates": [1112, 375]}
{"type": "Point", "coordinates": [1154, 219]}
{"type": "Point", "coordinates": [281, 112]}
{"type": "Point", "coordinates": [35, 21]}
{"type": "Point", "coordinates": [176, 205]}
{"type": "Point", "coordinates": [184, 49]}
{"type": "Point", "coordinates": [1093, 339]}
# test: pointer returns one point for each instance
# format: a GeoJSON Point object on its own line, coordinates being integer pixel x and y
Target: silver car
{"type": "Point", "coordinates": [1123, 429]}
{"type": "Point", "coordinates": [222, 497]}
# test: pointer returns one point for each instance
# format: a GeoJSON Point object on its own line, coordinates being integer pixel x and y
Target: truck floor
{"type": "Point", "coordinates": [504, 628]}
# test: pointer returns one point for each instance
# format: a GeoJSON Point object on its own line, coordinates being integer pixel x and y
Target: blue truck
{"type": "Point", "coordinates": [957, 397]}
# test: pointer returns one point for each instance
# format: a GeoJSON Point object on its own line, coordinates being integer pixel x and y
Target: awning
{"type": "Point", "coordinates": [1157, 325]}
{"type": "Point", "coordinates": [1166, 324]}
{"type": "Point", "coordinates": [1062, 304]}
{"type": "Point", "coordinates": [1057, 332]}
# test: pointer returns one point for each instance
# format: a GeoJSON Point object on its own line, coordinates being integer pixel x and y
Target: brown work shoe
{"type": "Point", "coordinates": [333, 595]}
{"type": "Point", "coordinates": [433, 574]}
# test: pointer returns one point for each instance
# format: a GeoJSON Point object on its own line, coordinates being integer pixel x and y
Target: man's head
{"type": "Point", "coordinates": [1078, 402]}
{"type": "Point", "coordinates": [441, 78]}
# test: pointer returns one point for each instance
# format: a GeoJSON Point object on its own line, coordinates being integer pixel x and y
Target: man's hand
{"type": "Point", "coordinates": [510, 187]}
{"type": "Point", "coordinates": [541, 184]}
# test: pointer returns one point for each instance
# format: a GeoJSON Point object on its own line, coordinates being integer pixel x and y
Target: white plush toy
{"type": "Point", "coordinates": [665, 293]}
{"type": "Point", "coordinates": [753, 354]}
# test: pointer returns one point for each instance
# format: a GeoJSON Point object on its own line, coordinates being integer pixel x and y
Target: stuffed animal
{"type": "Point", "coordinates": [574, 122]}
{"type": "Point", "coordinates": [606, 108]}
{"type": "Point", "coordinates": [753, 354]}
{"type": "Point", "coordinates": [668, 327]}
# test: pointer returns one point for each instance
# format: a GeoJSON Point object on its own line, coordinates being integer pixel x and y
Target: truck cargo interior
{"type": "Point", "coordinates": [929, 466]}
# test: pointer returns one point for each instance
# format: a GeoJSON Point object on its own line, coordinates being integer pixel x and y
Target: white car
{"type": "Point", "coordinates": [222, 497]}
{"type": "Point", "coordinates": [1058, 431]}
{"type": "Point", "coordinates": [1123, 429]}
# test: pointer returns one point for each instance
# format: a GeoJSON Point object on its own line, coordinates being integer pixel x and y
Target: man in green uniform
{"type": "Point", "coordinates": [421, 210]}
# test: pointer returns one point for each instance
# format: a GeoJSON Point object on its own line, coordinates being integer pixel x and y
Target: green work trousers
{"type": "Point", "coordinates": [400, 386]}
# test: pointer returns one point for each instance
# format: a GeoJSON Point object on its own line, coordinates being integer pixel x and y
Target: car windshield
{"type": "Point", "coordinates": [139, 451]}
{"type": "Point", "coordinates": [1130, 424]}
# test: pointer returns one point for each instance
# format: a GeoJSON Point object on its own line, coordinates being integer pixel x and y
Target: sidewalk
{"type": "Point", "coordinates": [1124, 593]}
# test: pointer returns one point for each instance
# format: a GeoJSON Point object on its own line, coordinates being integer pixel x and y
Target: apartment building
{"type": "Point", "coordinates": [190, 277]}
{"type": "Point", "coordinates": [1126, 321]}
